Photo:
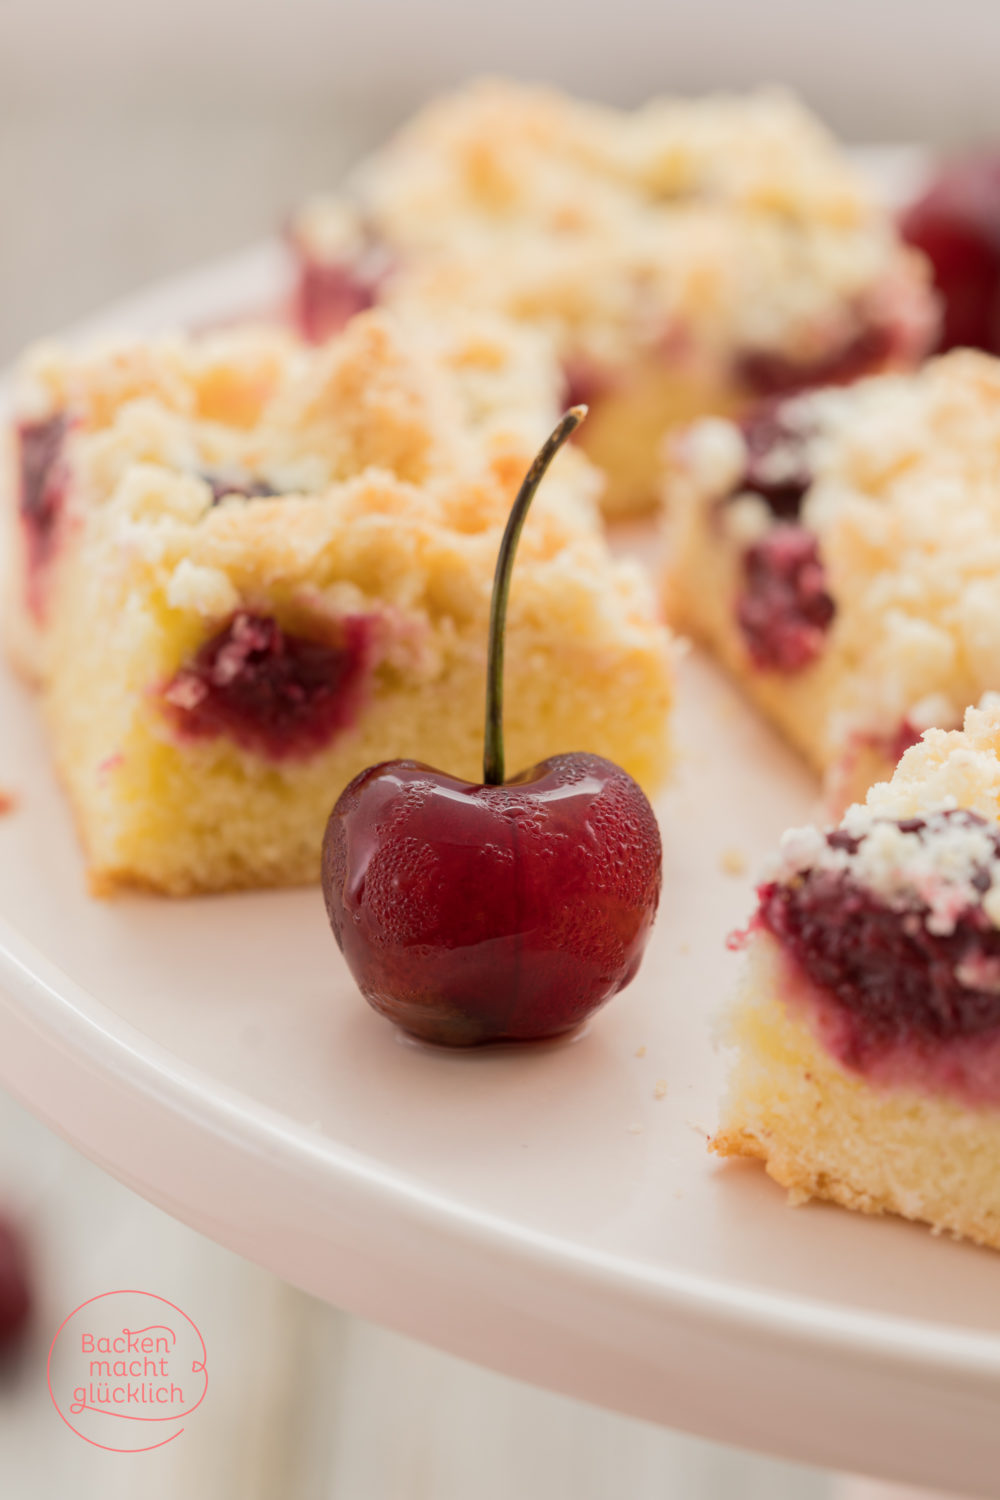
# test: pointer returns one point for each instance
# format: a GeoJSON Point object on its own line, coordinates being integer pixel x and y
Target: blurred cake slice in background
{"type": "Point", "coordinates": [840, 553]}
{"type": "Point", "coordinates": [689, 257]}
{"type": "Point", "coordinates": [248, 569]}
{"type": "Point", "coordinates": [867, 1031]}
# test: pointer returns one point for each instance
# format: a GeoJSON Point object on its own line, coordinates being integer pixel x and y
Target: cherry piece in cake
{"type": "Point", "coordinates": [43, 484]}
{"type": "Point", "coordinates": [776, 466]}
{"type": "Point", "coordinates": [274, 692]}
{"type": "Point", "coordinates": [893, 977]}
{"type": "Point", "coordinates": [784, 609]}
{"type": "Point", "coordinates": [768, 374]}
{"type": "Point", "coordinates": [956, 223]}
{"type": "Point", "coordinates": [907, 734]}
{"type": "Point", "coordinates": [329, 293]}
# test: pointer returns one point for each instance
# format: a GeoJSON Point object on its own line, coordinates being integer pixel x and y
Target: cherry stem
{"type": "Point", "coordinates": [493, 766]}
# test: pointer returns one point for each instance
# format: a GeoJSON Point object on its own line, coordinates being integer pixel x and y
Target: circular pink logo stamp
{"type": "Point", "coordinates": [126, 1370]}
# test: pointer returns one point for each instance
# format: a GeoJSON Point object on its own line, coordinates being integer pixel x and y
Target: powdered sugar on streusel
{"type": "Point", "coordinates": [941, 867]}
{"type": "Point", "coordinates": [937, 870]}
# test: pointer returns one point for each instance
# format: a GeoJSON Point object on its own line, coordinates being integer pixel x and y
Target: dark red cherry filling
{"type": "Point", "coordinates": [769, 434]}
{"type": "Point", "coordinates": [43, 484]}
{"type": "Point", "coordinates": [956, 223]}
{"type": "Point", "coordinates": [275, 693]}
{"type": "Point", "coordinates": [768, 374]}
{"type": "Point", "coordinates": [327, 297]}
{"type": "Point", "coordinates": [905, 737]}
{"type": "Point", "coordinates": [784, 609]}
{"type": "Point", "coordinates": [584, 382]}
{"type": "Point", "coordinates": [891, 978]}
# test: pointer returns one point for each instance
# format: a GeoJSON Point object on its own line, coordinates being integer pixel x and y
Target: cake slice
{"type": "Point", "coordinates": [239, 606]}
{"type": "Point", "coordinates": [868, 1027]}
{"type": "Point", "coordinates": [684, 258]}
{"type": "Point", "coordinates": [840, 554]}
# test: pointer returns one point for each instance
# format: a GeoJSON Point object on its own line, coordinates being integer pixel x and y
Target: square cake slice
{"type": "Point", "coordinates": [867, 1033]}
{"type": "Point", "coordinates": [840, 554]}
{"type": "Point", "coordinates": [692, 256]}
{"type": "Point", "coordinates": [240, 604]}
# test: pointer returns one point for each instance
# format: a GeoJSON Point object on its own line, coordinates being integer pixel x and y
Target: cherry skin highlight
{"type": "Point", "coordinates": [475, 913]}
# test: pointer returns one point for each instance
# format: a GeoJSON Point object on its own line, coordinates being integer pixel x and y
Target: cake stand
{"type": "Point", "coordinates": [551, 1212]}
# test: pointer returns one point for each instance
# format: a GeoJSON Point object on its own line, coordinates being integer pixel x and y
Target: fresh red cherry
{"type": "Point", "coordinates": [956, 223]}
{"type": "Point", "coordinates": [507, 911]}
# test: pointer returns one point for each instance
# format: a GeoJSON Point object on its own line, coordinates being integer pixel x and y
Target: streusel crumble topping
{"type": "Point", "coordinates": [733, 221]}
